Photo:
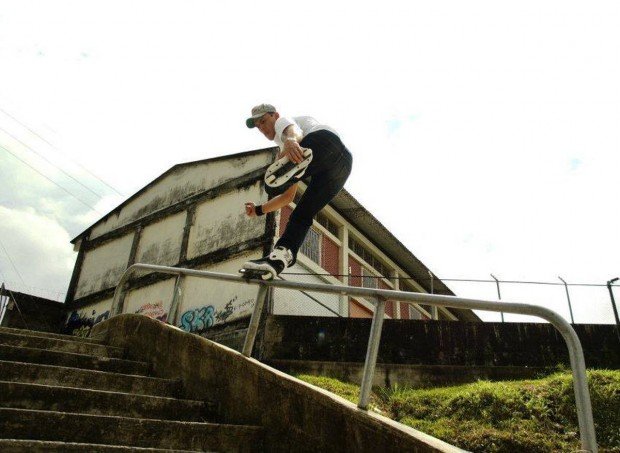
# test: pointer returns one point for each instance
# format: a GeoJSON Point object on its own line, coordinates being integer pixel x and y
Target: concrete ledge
{"type": "Point", "coordinates": [46, 446]}
{"type": "Point", "coordinates": [64, 345]}
{"type": "Point", "coordinates": [28, 424]}
{"type": "Point", "coordinates": [296, 416]}
{"type": "Point", "coordinates": [70, 359]}
{"type": "Point", "coordinates": [36, 373]}
{"type": "Point", "coordinates": [415, 376]}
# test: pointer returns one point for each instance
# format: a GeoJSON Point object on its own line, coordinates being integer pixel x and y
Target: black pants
{"type": "Point", "coordinates": [327, 173]}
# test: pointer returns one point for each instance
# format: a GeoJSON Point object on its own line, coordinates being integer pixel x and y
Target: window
{"type": "Point", "coordinates": [327, 223]}
{"type": "Point", "coordinates": [369, 280]}
{"type": "Point", "coordinates": [311, 246]}
{"type": "Point", "coordinates": [369, 257]}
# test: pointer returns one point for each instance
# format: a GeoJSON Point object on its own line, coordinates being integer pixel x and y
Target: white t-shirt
{"type": "Point", "coordinates": [304, 125]}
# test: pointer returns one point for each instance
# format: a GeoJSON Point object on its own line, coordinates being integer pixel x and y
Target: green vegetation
{"type": "Point", "coordinates": [511, 416]}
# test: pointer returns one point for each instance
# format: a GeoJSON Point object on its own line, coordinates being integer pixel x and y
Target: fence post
{"type": "Point", "coordinates": [371, 353]}
{"type": "Point", "coordinates": [434, 309]}
{"type": "Point", "coordinates": [499, 295]}
{"type": "Point", "coordinates": [613, 304]}
{"type": "Point", "coordinates": [570, 309]}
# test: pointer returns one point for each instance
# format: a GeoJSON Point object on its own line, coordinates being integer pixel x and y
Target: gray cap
{"type": "Point", "coordinates": [259, 111]}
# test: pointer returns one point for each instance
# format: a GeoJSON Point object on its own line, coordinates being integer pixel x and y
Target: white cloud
{"type": "Point", "coordinates": [40, 257]}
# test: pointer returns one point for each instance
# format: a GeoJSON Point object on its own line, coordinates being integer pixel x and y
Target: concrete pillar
{"type": "Point", "coordinates": [396, 282]}
{"type": "Point", "coordinates": [343, 235]}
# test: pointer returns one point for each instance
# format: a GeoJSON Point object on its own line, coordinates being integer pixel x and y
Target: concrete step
{"type": "Point", "coordinates": [109, 430]}
{"type": "Point", "coordinates": [35, 373]}
{"type": "Point", "coordinates": [55, 344]}
{"type": "Point", "coordinates": [97, 402]}
{"type": "Point", "coordinates": [72, 360]}
{"type": "Point", "coordinates": [36, 333]}
{"type": "Point", "coordinates": [42, 446]}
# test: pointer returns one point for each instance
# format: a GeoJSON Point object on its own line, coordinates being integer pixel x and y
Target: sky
{"type": "Point", "coordinates": [485, 134]}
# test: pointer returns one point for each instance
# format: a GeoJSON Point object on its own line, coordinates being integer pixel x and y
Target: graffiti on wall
{"type": "Point", "coordinates": [153, 310]}
{"type": "Point", "coordinates": [200, 319]}
{"type": "Point", "coordinates": [80, 324]}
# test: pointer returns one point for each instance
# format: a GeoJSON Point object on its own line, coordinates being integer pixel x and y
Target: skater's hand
{"type": "Point", "coordinates": [250, 209]}
{"type": "Point", "coordinates": [293, 151]}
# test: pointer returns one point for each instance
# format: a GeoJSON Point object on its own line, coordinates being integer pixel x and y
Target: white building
{"type": "Point", "coordinates": [193, 216]}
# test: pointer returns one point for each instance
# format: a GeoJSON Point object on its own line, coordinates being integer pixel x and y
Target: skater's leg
{"type": "Point", "coordinates": [322, 188]}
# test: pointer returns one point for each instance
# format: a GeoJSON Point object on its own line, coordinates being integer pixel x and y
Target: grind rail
{"type": "Point", "coordinates": [378, 297]}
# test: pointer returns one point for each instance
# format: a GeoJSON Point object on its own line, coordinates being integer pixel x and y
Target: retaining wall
{"type": "Point", "coordinates": [417, 342]}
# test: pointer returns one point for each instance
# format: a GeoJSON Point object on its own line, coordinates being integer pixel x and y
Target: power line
{"type": "Point", "coordinates": [49, 162]}
{"type": "Point", "coordinates": [57, 185]}
{"type": "Point", "coordinates": [12, 263]}
{"type": "Point", "coordinates": [52, 145]}
{"type": "Point", "coordinates": [49, 293]}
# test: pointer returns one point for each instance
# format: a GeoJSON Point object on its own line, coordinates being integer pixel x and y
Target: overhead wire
{"type": "Point", "coordinates": [57, 149]}
{"type": "Point", "coordinates": [50, 162]}
{"type": "Point", "coordinates": [50, 180]}
{"type": "Point", "coordinates": [11, 261]}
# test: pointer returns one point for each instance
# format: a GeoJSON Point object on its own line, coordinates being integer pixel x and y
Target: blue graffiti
{"type": "Point", "coordinates": [198, 319]}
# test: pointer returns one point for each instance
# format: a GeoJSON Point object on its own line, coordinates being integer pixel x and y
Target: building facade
{"type": "Point", "coordinates": [193, 216]}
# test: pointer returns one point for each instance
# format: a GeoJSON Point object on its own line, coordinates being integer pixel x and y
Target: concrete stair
{"type": "Point", "coordinates": [62, 393]}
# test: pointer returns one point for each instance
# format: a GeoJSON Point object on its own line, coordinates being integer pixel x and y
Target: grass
{"type": "Point", "coordinates": [510, 416]}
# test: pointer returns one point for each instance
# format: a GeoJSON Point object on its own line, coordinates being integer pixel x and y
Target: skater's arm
{"type": "Point", "coordinates": [275, 203]}
{"type": "Point", "coordinates": [291, 148]}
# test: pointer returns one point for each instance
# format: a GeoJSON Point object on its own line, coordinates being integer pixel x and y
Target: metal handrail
{"type": "Point", "coordinates": [378, 297]}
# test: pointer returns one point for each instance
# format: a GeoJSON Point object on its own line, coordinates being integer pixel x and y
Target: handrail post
{"type": "Point", "coordinates": [119, 292]}
{"type": "Point", "coordinates": [371, 353]}
{"type": "Point", "coordinates": [585, 417]}
{"type": "Point", "coordinates": [250, 336]}
{"type": "Point", "coordinates": [176, 295]}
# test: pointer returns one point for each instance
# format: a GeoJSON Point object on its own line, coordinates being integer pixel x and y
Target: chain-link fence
{"type": "Point", "coordinates": [578, 303]}
{"type": "Point", "coordinates": [307, 303]}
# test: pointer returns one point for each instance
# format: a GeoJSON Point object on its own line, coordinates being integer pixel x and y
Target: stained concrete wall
{"type": "Point", "coordinates": [208, 303]}
{"type": "Point", "coordinates": [203, 304]}
{"type": "Point", "coordinates": [103, 266]}
{"type": "Point", "coordinates": [295, 416]}
{"type": "Point", "coordinates": [160, 242]}
{"type": "Point", "coordinates": [153, 300]}
{"type": "Point", "coordinates": [435, 342]}
{"type": "Point", "coordinates": [179, 184]}
{"type": "Point", "coordinates": [190, 234]}
{"type": "Point", "coordinates": [219, 223]}
{"type": "Point", "coordinates": [222, 222]}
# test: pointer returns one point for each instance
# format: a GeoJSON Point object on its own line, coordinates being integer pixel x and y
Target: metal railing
{"type": "Point", "coordinates": [378, 298]}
